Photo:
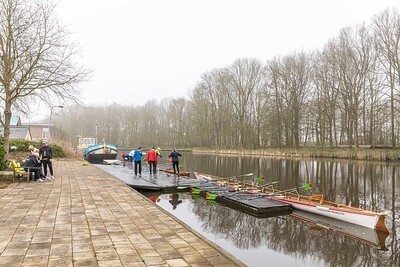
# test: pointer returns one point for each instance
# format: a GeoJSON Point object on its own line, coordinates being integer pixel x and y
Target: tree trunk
{"type": "Point", "coordinates": [7, 120]}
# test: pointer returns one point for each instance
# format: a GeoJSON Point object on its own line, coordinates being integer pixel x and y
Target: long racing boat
{"type": "Point", "coordinates": [206, 177]}
{"type": "Point", "coordinates": [171, 171]}
{"type": "Point", "coordinates": [314, 203]}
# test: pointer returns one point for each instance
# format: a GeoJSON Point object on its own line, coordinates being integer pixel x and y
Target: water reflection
{"type": "Point", "coordinates": [174, 200]}
{"type": "Point", "coordinates": [290, 239]}
{"type": "Point", "coordinates": [369, 185]}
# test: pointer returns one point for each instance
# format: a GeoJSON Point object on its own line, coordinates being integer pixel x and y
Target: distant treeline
{"type": "Point", "coordinates": [347, 93]}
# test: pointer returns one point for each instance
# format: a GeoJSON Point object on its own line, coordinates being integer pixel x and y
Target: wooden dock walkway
{"type": "Point", "coordinates": [160, 181]}
{"type": "Point", "coordinates": [257, 206]}
{"type": "Point", "coordinates": [86, 217]}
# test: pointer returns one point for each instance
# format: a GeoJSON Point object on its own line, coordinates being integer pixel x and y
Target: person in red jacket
{"type": "Point", "coordinates": [152, 156]}
{"type": "Point", "coordinates": [152, 160]}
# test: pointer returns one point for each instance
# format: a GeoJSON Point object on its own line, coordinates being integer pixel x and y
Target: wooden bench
{"type": "Point", "coordinates": [18, 171]}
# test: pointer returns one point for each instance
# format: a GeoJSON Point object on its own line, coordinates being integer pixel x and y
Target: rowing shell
{"type": "Point", "coordinates": [172, 172]}
{"type": "Point", "coordinates": [370, 219]}
{"type": "Point", "coordinates": [205, 177]}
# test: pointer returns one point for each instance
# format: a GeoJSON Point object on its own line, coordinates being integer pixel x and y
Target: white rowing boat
{"type": "Point", "coordinates": [316, 204]}
{"type": "Point", "coordinates": [206, 177]}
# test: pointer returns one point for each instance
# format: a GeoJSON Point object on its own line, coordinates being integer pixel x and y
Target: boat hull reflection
{"type": "Point", "coordinates": [362, 234]}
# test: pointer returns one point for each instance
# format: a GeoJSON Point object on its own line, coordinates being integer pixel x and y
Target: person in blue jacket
{"type": "Point", "coordinates": [137, 159]}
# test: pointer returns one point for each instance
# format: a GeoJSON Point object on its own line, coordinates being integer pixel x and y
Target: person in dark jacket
{"type": "Point", "coordinates": [32, 165]}
{"type": "Point", "coordinates": [175, 160]}
{"type": "Point", "coordinates": [45, 156]}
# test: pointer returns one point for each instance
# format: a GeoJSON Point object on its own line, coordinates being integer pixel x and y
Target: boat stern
{"type": "Point", "coordinates": [380, 224]}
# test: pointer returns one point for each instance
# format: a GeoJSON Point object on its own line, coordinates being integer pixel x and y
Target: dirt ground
{"type": "Point", "coordinates": [5, 180]}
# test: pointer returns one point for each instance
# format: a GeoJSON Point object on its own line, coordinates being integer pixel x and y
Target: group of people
{"type": "Point", "coordinates": [136, 157]}
{"type": "Point", "coordinates": [39, 158]}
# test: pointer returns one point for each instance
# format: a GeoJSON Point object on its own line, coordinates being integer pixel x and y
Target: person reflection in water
{"type": "Point", "coordinates": [155, 198]}
{"type": "Point", "coordinates": [174, 200]}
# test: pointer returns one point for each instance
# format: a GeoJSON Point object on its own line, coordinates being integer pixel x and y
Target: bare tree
{"type": "Point", "coordinates": [386, 27]}
{"type": "Point", "coordinates": [177, 111]}
{"type": "Point", "coordinates": [246, 76]}
{"type": "Point", "coordinates": [212, 90]}
{"type": "Point", "coordinates": [296, 77]}
{"type": "Point", "coordinates": [36, 61]}
{"type": "Point", "coordinates": [275, 87]}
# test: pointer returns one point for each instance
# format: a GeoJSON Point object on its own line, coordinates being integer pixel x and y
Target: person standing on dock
{"type": "Point", "coordinates": [158, 153]}
{"type": "Point", "coordinates": [152, 160]}
{"type": "Point", "coordinates": [175, 160]}
{"type": "Point", "coordinates": [137, 159]}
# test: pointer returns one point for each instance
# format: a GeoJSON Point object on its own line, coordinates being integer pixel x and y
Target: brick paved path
{"type": "Point", "coordinates": [89, 218]}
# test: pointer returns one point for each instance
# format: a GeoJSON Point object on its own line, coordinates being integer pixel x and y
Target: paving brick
{"type": "Point", "coordinates": [11, 261]}
{"type": "Point", "coordinates": [169, 254]}
{"type": "Point", "coordinates": [83, 255]}
{"type": "Point", "coordinates": [37, 260]}
{"type": "Point", "coordinates": [107, 255]}
{"type": "Point", "coordinates": [60, 261]}
{"type": "Point", "coordinates": [110, 263]}
{"type": "Point", "coordinates": [195, 258]}
{"type": "Point", "coordinates": [177, 263]}
{"type": "Point", "coordinates": [92, 262]}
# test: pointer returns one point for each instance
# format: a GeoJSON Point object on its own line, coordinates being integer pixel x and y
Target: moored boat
{"type": "Point", "coordinates": [99, 152]}
{"type": "Point", "coordinates": [171, 171]}
{"type": "Point", "coordinates": [314, 204]}
{"type": "Point", "coordinates": [206, 177]}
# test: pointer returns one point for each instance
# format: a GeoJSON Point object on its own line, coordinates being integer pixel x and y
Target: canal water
{"type": "Point", "coordinates": [297, 239]}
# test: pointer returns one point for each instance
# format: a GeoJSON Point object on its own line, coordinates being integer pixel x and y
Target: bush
{"type": "Point", "coordinates": [58, 151]}
{"type": "Point", "coordinates": [22, 145]}
{"type": "Point", "coordinates": [2, 155]}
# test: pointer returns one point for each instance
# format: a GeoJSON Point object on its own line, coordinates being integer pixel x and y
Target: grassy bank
{"type": "Point", "coordinates": [337, 153]}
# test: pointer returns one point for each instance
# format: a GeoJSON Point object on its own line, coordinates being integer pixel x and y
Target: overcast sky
{"type": "Point", "coordinates": [152, 49]}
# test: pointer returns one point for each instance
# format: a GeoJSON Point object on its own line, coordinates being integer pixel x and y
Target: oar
{"type": "Point", "coordinates": [242, 175]}
{"type": "Point", "coordinates": [267, 184]}
{"type": "Point", "coordinates": [214, 194]}
{"type": "Point", "coordinates": [305, 187]}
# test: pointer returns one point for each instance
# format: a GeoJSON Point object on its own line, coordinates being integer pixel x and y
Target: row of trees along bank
{"type": "Point", "coordinates": [347, 93]}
